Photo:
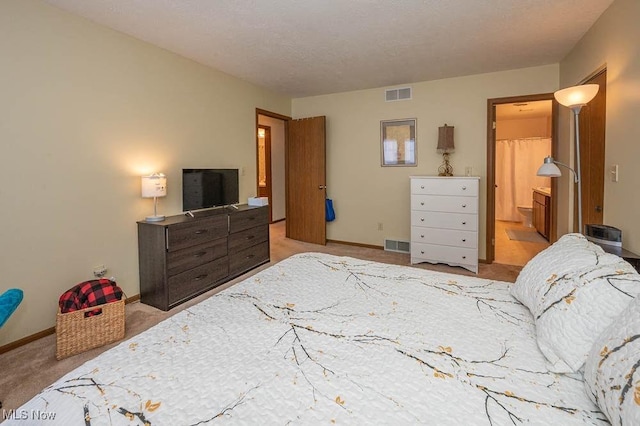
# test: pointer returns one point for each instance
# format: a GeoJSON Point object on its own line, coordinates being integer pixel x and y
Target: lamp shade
{"type": "Point", "coordinates": [549, 168]}
{"type": "Point", "coordinates": [445, 139]}
{"type": "Point", "coordinates": [576, 96]}
{"type": "Point", "coordinates": [154, 185]}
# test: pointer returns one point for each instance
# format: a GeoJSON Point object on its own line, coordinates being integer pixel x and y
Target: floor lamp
{"type": "Point", "coordinates": [574, 98]}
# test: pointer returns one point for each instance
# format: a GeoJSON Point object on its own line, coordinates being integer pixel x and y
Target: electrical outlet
{"type": "Point", "coordinates": [99, 271]}
{"type": "Point", "coordinates": [468, 171]}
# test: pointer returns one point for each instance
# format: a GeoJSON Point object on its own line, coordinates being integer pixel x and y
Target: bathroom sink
{"type": "Point", "coordinates": [543, 190]}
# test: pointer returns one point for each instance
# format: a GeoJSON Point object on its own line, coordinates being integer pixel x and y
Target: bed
{"type": "Point", "coordinates": [320, 339]}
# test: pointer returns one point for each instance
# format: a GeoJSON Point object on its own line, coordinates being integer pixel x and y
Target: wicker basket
{"type": "Point", "coordinates": [76, 333]}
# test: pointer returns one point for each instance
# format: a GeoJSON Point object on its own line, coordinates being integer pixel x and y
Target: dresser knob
{"type": "Point", "coordinates": [201, 277]}
{"type": "Point", "coordinates": [464, 188]}
{"type": "Point", "coordinates": [464, 240]}
{"type": "Point", "coordinates": [421, 252]}
{"type": "Point", "coordinates": [464, 206]}
{"type": "Point", "coordinates": [464, 223]}
{"type": "Point", "coordinates": [464, 257]}
{"type": "Point", "coordinates": [421, 236]}
{"type": "Point", "coordinates": [422, 187]}
{"type": "Point", "coordinates": [422, 203]}
{"type": "Point", "coordinates": [422, 219]}
{"type": "Point", "coordinates": [200, 254]}
{"type": "Point", "coordinates": [201, 231]}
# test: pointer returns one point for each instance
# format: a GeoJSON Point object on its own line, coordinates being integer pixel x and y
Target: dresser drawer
{"type": "Point", "coordinates": [182, 260]}
{"type": "Point", "coordinates": [248, 258]}
{"type": "Point", "coordinates": [460, 187]}
{"type": "Point", "coordinates": [241, 220]}
{"type": "Point", "coordinates": [197, 280]}
{"type": "Point", "coordinates": [446, 254]}
{"type": "Point", "coordinates": [188, 234]}
{"type": "Point", "coordinates": [444, 203]}
{"type": "Point", "coordinates": [461, 221]}
{"type": "Point", "coordinates": [446, 237]}
{"type": "Point", "coordinates": [247, 238]}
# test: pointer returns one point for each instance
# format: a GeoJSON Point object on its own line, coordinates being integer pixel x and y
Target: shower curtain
{"type": "Point", "coordinates": [517, 162]}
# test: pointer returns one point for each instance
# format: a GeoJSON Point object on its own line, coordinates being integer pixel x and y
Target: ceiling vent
{"type": "Point", "coordinates": [397, 94]}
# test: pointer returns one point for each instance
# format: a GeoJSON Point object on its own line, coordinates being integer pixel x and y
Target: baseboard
{"type": "Point", "coordinates": [44, 333]}
{"type": "Point", "coordinates": [349, 243]}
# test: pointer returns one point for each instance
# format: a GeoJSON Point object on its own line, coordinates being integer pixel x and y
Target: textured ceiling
{"type": "Point", "coordinates": [311, 47]}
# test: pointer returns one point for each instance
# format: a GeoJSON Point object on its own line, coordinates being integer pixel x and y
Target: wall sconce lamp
{"type": "Point", "coordinates": [154, 186]}
{"type": "Point", "coordinates": [445, 147]}
{"type": "Point", "coordinates": [574, 98]}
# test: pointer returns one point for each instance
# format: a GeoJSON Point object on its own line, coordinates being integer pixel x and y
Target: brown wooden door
{"type": "Point", "coordinates": [592, 146]}
{"type": "Point", "coordinates": [306, 180]}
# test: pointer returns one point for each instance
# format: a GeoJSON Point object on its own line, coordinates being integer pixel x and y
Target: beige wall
{"type": "Point", "coordinates": [518, 128]}
{"type": "Point", "coordinates": [365, 193]}
{"type": "Point", "coordinates": [84, 111]}
{"type": "Point", "coordinates": [613, 41]}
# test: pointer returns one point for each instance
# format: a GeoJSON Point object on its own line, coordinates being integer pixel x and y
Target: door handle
{"type": "Point", "coordinates": [322, 187]}
{"type": "Point", "coordinates": [599, 209]}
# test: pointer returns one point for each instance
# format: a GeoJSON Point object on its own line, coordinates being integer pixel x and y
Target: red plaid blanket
{"type": "Point", "coordinates": [89, 293]}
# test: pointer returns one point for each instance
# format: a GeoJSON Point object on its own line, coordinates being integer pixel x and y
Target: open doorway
{"type": "Point", "coordinates": [520, 213]}
{"type": "Point", "coordinates": [271, 129]}
{"type": "Point", "coordinates": [264, 165]}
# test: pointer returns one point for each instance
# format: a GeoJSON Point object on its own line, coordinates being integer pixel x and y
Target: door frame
{"type": "Point", "coordinates": [491, 166]}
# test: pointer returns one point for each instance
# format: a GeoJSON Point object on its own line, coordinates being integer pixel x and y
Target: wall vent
{"type": "Point", "coordinates": [397, 246]}
{"type": "Point", "coordinates": [397, 94]}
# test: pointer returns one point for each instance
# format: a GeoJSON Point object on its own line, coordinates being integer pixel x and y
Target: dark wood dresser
{"type": "Point", "coordinates": [182, 257]}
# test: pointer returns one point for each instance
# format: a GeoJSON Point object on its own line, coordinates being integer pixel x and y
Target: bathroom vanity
{"type": "Point", "coordinates": [541, 205]}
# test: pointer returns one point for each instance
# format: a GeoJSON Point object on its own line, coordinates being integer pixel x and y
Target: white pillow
{"type": "Point", "coordinates": [574, 290]}
{"type": "Point", "coordinates": [612, 370]}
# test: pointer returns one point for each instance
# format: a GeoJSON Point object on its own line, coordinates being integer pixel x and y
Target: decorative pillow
{"type": "Point", "coordinates": [574, 291]}
{"type": "Point", "coordinates": [612, 370]}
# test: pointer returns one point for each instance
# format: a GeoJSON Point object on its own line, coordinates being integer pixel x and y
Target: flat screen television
{"type": "Point", "coordinates": [206, 188]}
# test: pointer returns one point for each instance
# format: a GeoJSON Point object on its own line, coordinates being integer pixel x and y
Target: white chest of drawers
{"type": "Point", "coordinates": [444, 220]}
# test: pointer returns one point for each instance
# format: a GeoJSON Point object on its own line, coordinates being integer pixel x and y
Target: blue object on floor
{"type": "Point", "coordinates": [9, 301]}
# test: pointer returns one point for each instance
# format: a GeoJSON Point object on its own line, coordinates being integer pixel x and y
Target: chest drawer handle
{"type": "Point", "coordinates": [250, 237]}
{"type": "Point", "coordinates": [201, 231]}
{"type": "Point", "coordinates": [201, 277]}
{"type": "Point", "coordinates": [251, 256]}
{"type": "Point", "coordinates": [200, 254]}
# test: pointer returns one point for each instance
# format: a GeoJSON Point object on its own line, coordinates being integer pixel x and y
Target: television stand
{"type": "Point", "coordinates": [183, 256]}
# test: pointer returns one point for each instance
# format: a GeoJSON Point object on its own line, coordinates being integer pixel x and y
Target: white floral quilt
{"type": "Point", "coordinates": [319, 339]}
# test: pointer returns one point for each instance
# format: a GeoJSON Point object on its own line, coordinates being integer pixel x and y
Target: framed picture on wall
{"type": "Point", "coordinates": [398, 145]}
